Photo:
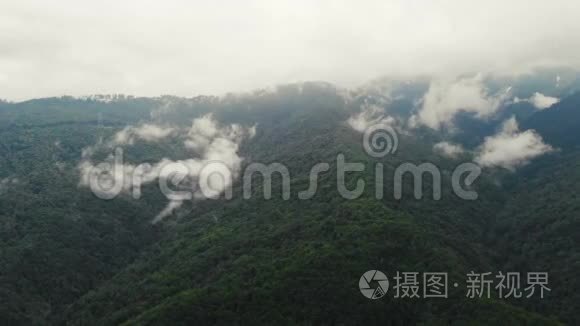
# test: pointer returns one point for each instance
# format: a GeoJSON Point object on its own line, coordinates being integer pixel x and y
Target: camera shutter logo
{"type": "Point", "coordinates": [373, 284]}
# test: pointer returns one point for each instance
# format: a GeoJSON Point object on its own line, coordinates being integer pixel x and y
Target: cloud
{"type": "Point", "coordinates": [445, 99]}
{"type": "Point", "coordinates": [448, 149]}
{"type": "Point", "coordinates": [539, 100]}
{"type": "Point", "coordinates": [127, 136]}
{"type": "Point", "coordinates": [370, 115]}
{"type": "Point", "coordinates": [188, 48]}
{"type": "Point", "coordinates": [542, 101]}
{"type": "Point", "coordinates": [201, 132]}
{"type": "Point", "coordinates": [146, 132]}
{"type": "Point", "coordinates": [217, 161]}
{"type": "Point", "coordinates": [168, 210]}
{"type": "Point", "coordinates": [511, 148]}
{"type": "Point", "coordinates": [217, 143]}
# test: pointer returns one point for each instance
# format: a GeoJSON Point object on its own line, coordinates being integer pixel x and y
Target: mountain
{"type": "Point", "coordinates": [69, 257]}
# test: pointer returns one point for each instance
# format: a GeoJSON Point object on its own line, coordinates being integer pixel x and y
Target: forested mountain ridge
{"type": "Point", "coordinates": [67, 257]}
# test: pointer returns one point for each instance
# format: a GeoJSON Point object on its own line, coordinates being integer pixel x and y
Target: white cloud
{"type": "Point", "coordinates": [448, 149]}
{"type": "Point", "coordinates": [217, 143]}
{"type": "Point", "coordinates": [445, 99]}
{"type": "Point", "coordinates": [370, 115]}
{"type": "Point", "coordinates": [212, 47]}
{"type": "Point", "coordinates": [542, 101]}
{"type": "Point", "coordinates": [511, 148]}
{"type": "Point", "coordinates": [146, 132]}
{"type": "Point", "coordinates": [168, 210]}
{"type": "Point", "coordinates": [217, 153]}
{"type": "Point", "coordinates": [539, 100]}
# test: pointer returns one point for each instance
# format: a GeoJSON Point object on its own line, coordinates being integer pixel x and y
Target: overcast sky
{"type": "Point", "coordinates": [187, 48]}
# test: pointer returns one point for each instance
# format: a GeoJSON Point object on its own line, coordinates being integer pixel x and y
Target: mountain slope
{"type": "Point", "coordinates": [68, 257]}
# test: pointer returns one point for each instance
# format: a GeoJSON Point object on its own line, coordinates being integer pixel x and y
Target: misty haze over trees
{"type": "Point", "coordinates": [495, 85]}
